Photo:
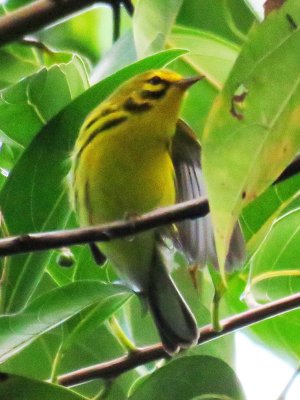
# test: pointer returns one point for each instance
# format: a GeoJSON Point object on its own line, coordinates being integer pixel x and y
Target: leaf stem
{"type": "Point", "coordinates": [215, 312]}
{"type": "Point", "coordinates": [56, 361]}
{"type": "Point", "coordinates": [121, 336]}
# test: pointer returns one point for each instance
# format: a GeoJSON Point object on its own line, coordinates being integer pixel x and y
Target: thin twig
{"type": "Point", "coordinates": [123, 364]}
{"type": "Point", "coordinates": [116, 20]}
{"type": "Point", "coordinates": [128, 6]}
{"type": "Point", "coordinates": [103, 233]}
{"type": "Point", "coordinates": [51, 240]}
{"type": "Point", "coordinates": [37, 44]}
{"type": "Point", "coordinates": [38, 15]}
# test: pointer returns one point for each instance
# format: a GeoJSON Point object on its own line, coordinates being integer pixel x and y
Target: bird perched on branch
{"type": "Point", "coordinates": [132, 156]}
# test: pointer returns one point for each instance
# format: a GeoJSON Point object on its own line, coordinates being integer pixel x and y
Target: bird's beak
{"type": "Point", "coordinates": [187, 82]}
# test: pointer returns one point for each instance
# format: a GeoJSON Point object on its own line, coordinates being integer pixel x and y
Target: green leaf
{"type": "Point", "coordinates": [275, 265]}
{"type": "Point", "coordinates": [18, 61]}
{"type": "Point", "coordinates": [31, 100]}
{"type": "Point", "coordinates": [229, 19]}
{"type": "Point", "coordinates": [280, 334]}
{"type": "Point", "coordinates": [15, 64]}
{"type": "Point", "coordinates": [252, 132]}
{"type": "Point", "coordinates": [36, 188]}
{"type": "Point", "coordinates": [152, 22]}
{"type": "Point", "coordinates": [42, 350]}
{"type": "Point", "coordinates": [121, 54]}
{"type": "Point", "coordinates": [274, 273]}
{"type": "Point", "coordinates": [14, 387]}
{"type": "Point", "coordinates": [53, 308]}
{"type": "Point", "coordinates": [209, 54]}
{"type": "Point", "coordinates": [194, 376]}
{"type": "Point", "coordinates": [259, 215]}
{"type": "Point", "coordinates": [89, 33]}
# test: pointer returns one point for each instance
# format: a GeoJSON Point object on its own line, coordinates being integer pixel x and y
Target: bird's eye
{"type": "Point", "coordinates": [156, 80]}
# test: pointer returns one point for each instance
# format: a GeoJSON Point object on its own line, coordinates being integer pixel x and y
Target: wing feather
{"type": "Point", "coordinates": [195, 237]}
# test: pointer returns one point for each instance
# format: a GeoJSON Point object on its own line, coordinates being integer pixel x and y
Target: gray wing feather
{"type": "Point", "coordinates": [195, 237]}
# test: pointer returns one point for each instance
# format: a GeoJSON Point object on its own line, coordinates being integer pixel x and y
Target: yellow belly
{"type": "Point", "coordinates": [121, 176]}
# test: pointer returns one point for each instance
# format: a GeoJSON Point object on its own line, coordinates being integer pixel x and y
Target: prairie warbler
{"type": "Point", "coordinates": [129, 158]}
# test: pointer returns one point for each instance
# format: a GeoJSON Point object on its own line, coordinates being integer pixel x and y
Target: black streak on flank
{"type": "Point", "coordinates": [291, 21]}
{"type": "Point", "coordinates": [107, 125]}
{"type": "Point", "coordinates": [103, 113]}
{"type": "Point", "coordinates": [132, 106]}
{"type": "Point", "coordinates": [111, 123]}
{"type": "Point", "coordinates": [91, 122]}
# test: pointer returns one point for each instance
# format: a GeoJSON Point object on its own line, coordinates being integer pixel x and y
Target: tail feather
{"type": "Point", "coordinates": [174, 320]}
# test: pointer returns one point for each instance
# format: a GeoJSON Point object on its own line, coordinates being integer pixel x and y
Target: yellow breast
{"type": "Point", "coordinates": [123, 173]}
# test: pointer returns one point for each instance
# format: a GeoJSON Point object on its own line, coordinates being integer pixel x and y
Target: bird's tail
{"type": "Point", "coordinates": [174, 320]}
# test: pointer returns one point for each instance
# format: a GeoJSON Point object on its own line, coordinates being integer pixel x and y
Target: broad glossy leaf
{"type": "Point", "coordinates": [229, 19]}
{"type": "Point", "coordinates": [28, 105]}
{"type": "Point", "coordinates": [121, 54]}
{"type": "Point", "coordinates": [191, 377]}
{"type": "Point", "coordinates": [14, 66]}
{"type": "Point", "coordinates": [14, 387]}
{"type": "Point", "coordinates": [280, 334]}
{"type": "Point", "coordinates": [209, 54]}
{"type": "Point", "coordinates": [259, 215]}
{"type": "Point", "coordinates": [275, 266]}
{"type": "Point", "coordinates": [93, 347]}
{"type": "Point", "coordinates": [17, 61]}
{"type": "Point", "coordinates": [91, 319]}
{"type": "Point", "coordinates": [42, 350]}
{"type": "Point", "coordinates": [53, 308]}
{"type": "Point", "coordinates": [253, 130]}
{"type": "Point", "coordinates": [36, 188]}
{"type": "Point", "coordinates": [152, 22]}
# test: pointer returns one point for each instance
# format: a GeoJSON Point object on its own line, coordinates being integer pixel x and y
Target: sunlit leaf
{"type": "Point", "coordinates": [253, 129]}
{"type": "Point", "coordinates": [151, 24]}
{"type": "Point", "coordinates": [32, 100]}
{"type": "Point", "coordinates": [208, 54]}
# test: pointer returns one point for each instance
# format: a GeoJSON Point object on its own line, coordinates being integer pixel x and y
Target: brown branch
{"type": "Point", "coordinates": [51, 240]}
{"type": "Point", "coordinates": [113, 368]}
{"type": "Point", "coordinates": [42, 13]}
{"type": "Point", "coordinates": [102, 233]}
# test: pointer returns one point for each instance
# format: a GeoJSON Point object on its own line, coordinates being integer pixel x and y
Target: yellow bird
{"type": "Point", "coordinates": [129, 159]}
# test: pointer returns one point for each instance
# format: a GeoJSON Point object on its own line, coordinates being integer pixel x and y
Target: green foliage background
{"type": "Point", "coordinates": [55, 320]}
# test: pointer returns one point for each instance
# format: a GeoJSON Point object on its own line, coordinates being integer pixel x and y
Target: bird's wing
{"type": "Point", "coordinates": [195, 237]}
